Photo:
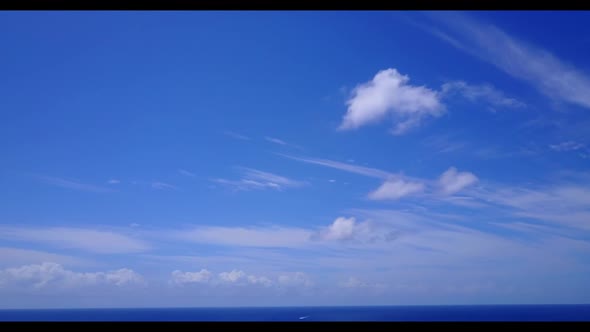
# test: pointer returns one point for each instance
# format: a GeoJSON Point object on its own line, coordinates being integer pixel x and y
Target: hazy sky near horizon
{"type": "Point", "coordinates": [294, 158]}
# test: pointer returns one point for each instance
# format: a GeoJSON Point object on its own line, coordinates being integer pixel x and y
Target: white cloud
{"type": "Point", "coordinates": [275, 140]}
{"type": "Point", "coordinates": [396, 189]}
{"type": "Point", "coordinates": [565, 204]}
{"type": "Point", "coordinates": [247, 236]}
{"type": "Point", "coordinates": [17, 256]}
{"type": "Point", "coordinates": [97, 241]}
{"type": "Point", "coordinates": [366, 171]}
{"type": "Point", "coordinates": [389, 93]}
{"type": "Point", "coordinates": [236, 135]}
{"type": "Point", "coordinates": [163, 186]}
{"type": "Point", "coordinates": [255, 179]}
{"type": "Point", "coordinates": [72, 184]}
{"type": "Point", "coordinates": [452, 181]}
{"type": "Point", "coordinates": [113, 181]}
{"type": "Point", "coordinates": [341, 229]}
{"type": "Point", "coordinates": [444, 144]}
{"type": "Point", "coordinates": [264, 281]}
{"type": "Point", "coordinates": [233, 276]}
{"type": "Point", "coordinates": [50, 274]}
{"type": "Point", "coordinates": [296, 279]}
{"type": "Point", "coordinates": [203, 276]}
{"type": "Point", "coordinates": [356, 283]}
{"type": "Point", "coordinates": [186, 173]}
{"type": "Point", "coordinates": [484, 92]}
{"type": "Point", "coordinates": [537, 66]}
{"type": "Point", "coordinates": [567, 146]}
{"type": "Point", "coordinates": [281, 142]}
{"type": "Point", "coordinates": [352, 232]}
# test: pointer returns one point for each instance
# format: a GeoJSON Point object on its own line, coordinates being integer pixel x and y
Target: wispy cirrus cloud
{"type": "Point", "coordinates": [444, 144]}
{"type": "Point", "coordinates": [275, 140]}
{"type": "Point", "coordinates": [566, 146]}
{"type": "Point", "coordinates": [186, 173]}
{"type": "Point", "coordinates": [90, 240]}
{"type": "Point", "coordinates": [72, 184]}
{"type": "Point", "coordinates": [389, 93]}
{"type": "Point", "coordinates": [17, 256]}
{"type": "Point", "coordinates": [281, 142]}
{"type": "Point", "coordinates": [550, 75]}
{"type": "Point", "coordinates": [253, 179]}
{"type": "Point", "coordinates": [236, 135]}
{"type": "Point", "coordinates": [247, 236]}
{"type": "Point", "coordinates": [361, 170]}
{"type": "Point", "coordinates": [163, 186]}
{"type": "Point", "coordinates": [485, 93]}
{"type": "Point", "coordinates": [113, 181]}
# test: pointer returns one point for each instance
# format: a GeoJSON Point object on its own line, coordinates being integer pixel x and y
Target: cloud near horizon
{"type": "Point", "coordinates": [48, 274]}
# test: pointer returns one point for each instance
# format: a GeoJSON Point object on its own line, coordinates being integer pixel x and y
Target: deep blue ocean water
{"type": "Point", "coordinates": [302, 314]}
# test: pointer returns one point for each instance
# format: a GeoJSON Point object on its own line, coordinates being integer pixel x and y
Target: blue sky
{"type": "Point", "coordinates": [294, 158]}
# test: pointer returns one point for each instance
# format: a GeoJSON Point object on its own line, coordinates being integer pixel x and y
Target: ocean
{"type": "Point", "coordinates": [532, 313]}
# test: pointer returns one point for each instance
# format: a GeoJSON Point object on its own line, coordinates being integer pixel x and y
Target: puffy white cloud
{"type": "Point", "coordinates": [264, 281]}
{"type": "Point", "coordinates": [233, 276]}
{"type": "Point", "coordinates": [341, 229]}
{"type": "Point", "coordinates": [389, 93]}
{"type": "Point", "coordinates": [98, 241]}
{"type": "Point", "coordinates": [351, 231]}
{"type": "Point", "coordinates": [53, 274]}
{"type": "Point", "coordinates": [180, 277]}
{"type": "Point", "coordinates": [452, 181]}
{"type": "Point", "coordinates": [356, 283]}
{"type": "Point", "coordinates": [396, 189]}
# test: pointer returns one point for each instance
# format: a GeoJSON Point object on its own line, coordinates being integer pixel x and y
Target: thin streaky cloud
{"type": "Point", "coordinates": [550, 75]}
{"type": "Point", "coordinates": [253, 179]}
{"type": "Point", "coordinates": [366, 171]}
{"type": "Point", "coordinates": [275, 140]}
{"type": "Point", "coordinates": [483, 92]}
{"type": "Point", "coordinates": [236, 135]}
{"type": "Point", "coordinates": [113, 181]}
{"type": "Point", "coordinates": [186, 173]}
{"type": "Point", "coordinates": [566, 146]}
{"type": "Point", "coordinates": [281, 142]}
{"type": "Point", "coordinates": [163, 186]}
{"type": "Point", "coordinates": [86, 239]}
{"type": "Point", "coordinates": [72, 184]}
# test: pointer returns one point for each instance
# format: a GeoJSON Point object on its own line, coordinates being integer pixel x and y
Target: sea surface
{"type": "Point", "coordinates": [305, 314]}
